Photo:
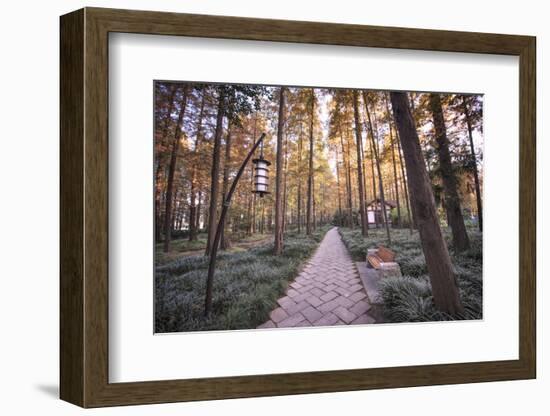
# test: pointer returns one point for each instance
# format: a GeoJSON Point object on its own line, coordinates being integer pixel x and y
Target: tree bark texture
{"type": "Point", "coordinates": [214, 184]}
{"type": "Point", "coordinates": [172, 171]}
{"type": "Point", "coordinates": [461, 241]}
{"type": "Point", "coordinates": [278, 248]}
{"type": "Point", "coordinates": [438, 261]}
{"type": "Point", "coordinates": [224, 239]}
{"type": "Point", "coordinates": [378, 169]}
{"type": "Point", "coordinates": [474, 162]}
{"type": "Point", "coordinates": [360, 181]}
{"type": "Point", "coordinates": [309, 213]}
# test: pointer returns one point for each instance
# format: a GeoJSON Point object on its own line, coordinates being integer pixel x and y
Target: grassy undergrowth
{"type": "Point", "coordinates": [409, 298]}
{"type": "Point", "coordinates": [177, 247]}
{"type": "Point", "coordinates": [182, 246]}
{"type": "Point", "coordinates": [246, 286]}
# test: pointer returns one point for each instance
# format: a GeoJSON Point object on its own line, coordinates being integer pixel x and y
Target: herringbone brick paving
{"type": "Point", "coordinates": [328, 291]}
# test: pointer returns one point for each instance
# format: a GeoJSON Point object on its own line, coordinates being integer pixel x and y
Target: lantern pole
{"type": "Point", "coordinates": [221, 222]}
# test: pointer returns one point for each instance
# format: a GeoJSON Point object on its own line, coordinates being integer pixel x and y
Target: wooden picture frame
{"type": "Point", "coordinates": [84, 207]}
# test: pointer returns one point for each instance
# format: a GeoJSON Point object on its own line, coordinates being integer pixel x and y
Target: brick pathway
{"type": "Point", "coordinates": [328, 291]}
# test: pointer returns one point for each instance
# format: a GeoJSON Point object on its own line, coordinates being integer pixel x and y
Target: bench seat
{"type": "Point", "coordinates": [383, 260]}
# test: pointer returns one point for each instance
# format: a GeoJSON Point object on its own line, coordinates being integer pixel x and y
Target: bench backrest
{"type": "Point", "coordinates": [385, 254]}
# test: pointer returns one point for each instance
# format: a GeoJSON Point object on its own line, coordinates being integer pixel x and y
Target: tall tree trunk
{"type": "Point", "coordinates": [314, 222]}
{"type": "Point", "coordinates": [206, 212]}
{"type": "Point", "coordinates": [299, 190]}
{"type": "Point", "coordinates": [250, 220]}
{"type": "Point", "coordinates": [198, 216]}
{"type": "Point", "coordinates": [474, 162]}
{"type": "Point", "coordinates": [309, 214]}
{"type": "Point", "coordinates": [270, 218]}
{"type": "Point", "coordinates": [158, 201]}
{"type": "Point", "coordinates": [193, 207]}
{"type": "Point", "coordinates": [278, 249]}
{"type": "Point", "coordinates": [192, 210]}
{"type": "Point", "coordinates": [410, 213]}
{"type": "Point", "coordinates": [347, 166]}
{"type": "Point", "coordinates": [377, 159]}
{"type": "Point", "coordinates": [350, 184]}
{"type": "Point", "coordinates": [171, 172]}
{"type": "Point", "coordinates": [365, 181]}
{"type": "Point", "coordinates": [372, 164]}
{"type": "Point", "coordinates": [360, 182]}
{"type": "Point", "coordinates": [285, 186]}
{"type": "Point", "coordinates": [323, 206]}
{"type": "Point", "coordinates": [176, 208]}
{"type": "Point", "coordinates": [461, 241]}
{"type": "Point", "coordinates": [395, 180]}
{"type": "Point", "coordinates": [253, 208]}
{"type": "Point", "coordinates": [160, 164]}
{"type": "Point", "coordinates": [214, 185]}
{"type": "Point", "coordinates": [224, 240]}
{"type": "Point", "coordinates": [440, 269]}
{"type": "Point", "coordinates": [338, 184]}
{"type": "Point", "coordinates": [423, 143]}
{"type": "Point", "coordinates": [262, 222]}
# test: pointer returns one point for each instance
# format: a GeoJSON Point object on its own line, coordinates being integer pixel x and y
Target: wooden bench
{"type": "Point", "coordinates": [379, 256]}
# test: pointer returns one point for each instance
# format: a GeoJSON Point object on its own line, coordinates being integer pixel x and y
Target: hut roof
{"type": "Point", "coordinates": [389, 203]}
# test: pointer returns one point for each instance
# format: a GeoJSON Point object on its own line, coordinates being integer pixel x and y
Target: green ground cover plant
{"type": "Point", "coordinates": [409, 298]}
{"type": "Point", "coordinates": [247, 285]}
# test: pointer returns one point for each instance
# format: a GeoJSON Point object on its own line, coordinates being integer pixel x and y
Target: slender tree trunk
{"type": "Point", "coordinates": [440, 269]}
{"type": "Point", "coordinates": [171, 172]}
{"type": "Point", "coordinates": [380, 181]}
{"type": "Point", "coordinates": [338, 183]}
{"type": "Point", "coordinates": [254, 209]}
{"type": "Point", "coordinates": [192, 207]}
{"type": "Point", "coordinates": [374, 192]}
{"type": "Point", "coordinates": [285, 186]}
{"type": "Point", "coordinates": [250, 220]}
{"type": "Point", "coordinates": [365, 181]}
{"type": "Point", "coordinates": [323, 200]}
{"type": "Point", "coordinates": [176, 208]}
{"type": "Point", "coordinates": [299, 190]}
{"type": "Point", "coordinates": [159, 169]}
{"type": "Point", "coordinates": [270, 216]}
{"type": "Point", "coordinates": [180, 213]}
{"type": "Point", "coordinates": [309, 214]}
{"type": "Point", "coordinates": [395, 180]}
{"type": "Point", "coordinates": [262, 222]}
{"type": "Point", "coordinates": [360, 182]}
{"type": "Point", "coordinates": [198, 216]}
{"type": "Point", "coordinates": [372, 163]}
{"type": "Point", "coordinates": [350, 184]}
{"type": "Point", "coordinates": [461, 241]}
{"type": "Point", "coordinates": [474, 162]}
{"type": "Point", "coordinates": [158, 202]}
{"type": "Point", "coordinates": [224, 240]}
{"type": "Point", "coordinates": [192, 210]}
{"type": "Point", "coordinates": [278, 249]}
{"type": "Point", "coordinates": [423, 144]}
{"type": "Point", "coordinates": [347, 166]}
{"type": "Point", "coordinates": [410, 209]}
{"type": "Point", "coordinates": [314, 223]}
{"type": "Point", "coordinates": [206, 212]}
{"type": "Point", "coordinates": [299, 208]}
{"type": "Point", "coordinates": [253, 220]}
{"type": "Point", "coordinates": [214, 185]}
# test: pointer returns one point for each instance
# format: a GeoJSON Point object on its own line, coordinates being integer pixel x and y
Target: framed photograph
{"type": "Point", "coordinates": [256, 207]}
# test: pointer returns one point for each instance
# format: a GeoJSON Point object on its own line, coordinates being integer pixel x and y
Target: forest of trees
{"type": "Point", "coordinates": [332, 152]}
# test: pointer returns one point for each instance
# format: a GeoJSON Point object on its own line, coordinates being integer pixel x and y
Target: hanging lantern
{"type": "Point", "coordinates": [261, 174]}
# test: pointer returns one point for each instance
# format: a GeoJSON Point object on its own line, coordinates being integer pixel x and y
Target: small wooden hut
{"type": "Point", "coordinates": [375, 215]}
